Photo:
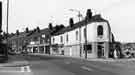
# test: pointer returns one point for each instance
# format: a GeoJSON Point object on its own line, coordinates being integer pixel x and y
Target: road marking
{"type": "Point", "coordinates": [25, 69]}
{"type": "Point", "coordinates": [67, 62]}
{"type": "Point", "coordinates": [10, 71]}
{"type": "Point", "coordinates": [86, 68]}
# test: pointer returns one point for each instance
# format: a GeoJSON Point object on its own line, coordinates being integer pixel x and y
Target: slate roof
{"type": "Point", "coordinates": [96, 18]}
{"type": "Point", "coordinates": [45, 31]}
{"type": "Point", "coordinates": [21, 34]}
{"type": "Point", "coordinates": [30, 34]}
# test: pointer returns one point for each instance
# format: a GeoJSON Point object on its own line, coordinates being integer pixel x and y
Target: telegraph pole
{"type": "Point", "coordinates": [7, 17]}
{"type": "Point", "coordinates": [7, 24]}
{"type": "Point", "coordinates": [79, 15]}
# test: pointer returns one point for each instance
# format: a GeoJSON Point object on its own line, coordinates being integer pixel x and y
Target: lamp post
{"type": "Point", "coordinates": [79, 16]}
{"type": "Point", "coordinates": [7, 16]}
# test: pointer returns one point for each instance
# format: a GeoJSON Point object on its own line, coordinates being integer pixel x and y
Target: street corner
{"type": "Point", "coordinates": [15, 64]}
{"type": "Point", "coordinates": [19, 68]}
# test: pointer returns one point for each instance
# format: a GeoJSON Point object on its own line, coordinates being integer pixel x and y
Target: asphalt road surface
{"type": "Point", "coordinates": [53, 65]}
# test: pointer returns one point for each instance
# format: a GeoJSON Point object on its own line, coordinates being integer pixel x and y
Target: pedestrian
{"type": "Point", "coordinates": [115, 53]}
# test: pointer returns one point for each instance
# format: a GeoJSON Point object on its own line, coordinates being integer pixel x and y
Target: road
{"type": "Point", "coordinates": [53, 65]}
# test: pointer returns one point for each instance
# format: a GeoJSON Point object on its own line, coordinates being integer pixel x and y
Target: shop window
{"type": "Point", "coordinates": [53, 40]}
{"type": "Point", "coordinates": [88, 48]}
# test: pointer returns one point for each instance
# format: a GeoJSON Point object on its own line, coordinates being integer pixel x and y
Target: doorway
{"type": "Point", "coordinates": [100, 50]}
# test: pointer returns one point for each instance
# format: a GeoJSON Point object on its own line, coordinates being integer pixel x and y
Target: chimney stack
{"type": "Point", "coordinates": [89, 14]}
{"type": "Point", "coordinates": [71, 22]}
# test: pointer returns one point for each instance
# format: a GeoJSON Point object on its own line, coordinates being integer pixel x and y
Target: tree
{"type": "Point", "coordinates": [57, 28]}
{"type": "Point", "coordinates": [38, 29]}
{"type": "Point", "coordinates": [27, 30]}
{"type": "Point", "coordinates": [113, 39]}
{"type": "Point", "coordinates": [4, 35]}
{"type": "Point", "coordinates": [88, 14]}
{"type": "Point", "coordinates": [50, 26]}
{"type": "Point", "coordinates": [17, 32]}
{"type": "Point", "coordinates": [61, 26]}
{"type": "Point", "coordinates": [71, 22]}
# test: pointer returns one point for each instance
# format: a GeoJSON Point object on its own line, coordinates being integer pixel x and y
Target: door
{"type": "Point", "coordinates": [70, 51]}
{"type": "Point", "coordinates": [100, 50]}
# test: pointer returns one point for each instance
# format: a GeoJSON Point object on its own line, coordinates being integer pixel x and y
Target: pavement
{"type": "Point", "coordinates": [15, 66]}
{"type": "Point", "coordinates": [124, 60]}
{"type": "Point", "coordinates": [12, 61]}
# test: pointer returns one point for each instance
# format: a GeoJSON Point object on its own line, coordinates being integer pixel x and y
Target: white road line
{"type": "Point", "coordinates": [67, 62]}
{"type": "Point", "coordinates": [86, 68]}
{"type": "Point", "coordinates": [25, 69]}
{"type": "Point", "coordinates": [10, 71]}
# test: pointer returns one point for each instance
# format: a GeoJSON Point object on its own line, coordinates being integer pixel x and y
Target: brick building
{"type": "Point", "coordinates": [34, 41]}
{"type": "Point", "coordinates": [17, 42]}
{"type": "Point", "coordinates": [39, 42]}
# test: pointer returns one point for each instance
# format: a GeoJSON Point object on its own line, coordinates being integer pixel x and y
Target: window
{"type": "Point", "coordinates": [84, 33]}
{"type": "Point", "coordinates": [76, 35]}
{"type": "Point", "coordinates": [53, 40]}
{"type": "Point", "coordinates": [100, 30]}
{"type": "Point", "coordinates": [88, 48]}
{"type": "Point", "coordinates": [67, 37]}
{"type": "Point", "coordinates": [61, 39]}
{"type": "Point", "coordinates": [35, 38]}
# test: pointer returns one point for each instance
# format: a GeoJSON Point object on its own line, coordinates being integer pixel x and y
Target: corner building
{"type": "Point", "coordinates": [89, 38]}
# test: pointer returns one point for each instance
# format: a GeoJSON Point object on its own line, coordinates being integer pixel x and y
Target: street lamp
{"type": "Point", "coordinates": [79, 13]}
{"type": "Point", "coordinates": [79, 16]}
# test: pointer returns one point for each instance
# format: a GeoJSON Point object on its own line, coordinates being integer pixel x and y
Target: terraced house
{"type": "Point", "coordinates": [90, 38]}
{"type": "Point", "coordinates": [39, 42]}
{"type": "Point", "coordinates": [33, 41]}
{"type": "Point", "coordinates": [18, 41]}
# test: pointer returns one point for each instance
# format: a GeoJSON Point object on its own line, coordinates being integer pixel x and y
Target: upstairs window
{"type": "Point", "coordinates": [61, 39]}
{"type": "Point", "coordinates": [53, 40]}
{"type": "Point", "coordinates": [100, 30]}
{"type": "Point", "coordinates": [67, 37]}
{"type": "Point", "coordinates": [76, 35]}
{"type": "Point", "coordinates": [84, 33]}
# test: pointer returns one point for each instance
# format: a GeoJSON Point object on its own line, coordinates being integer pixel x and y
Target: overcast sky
{"type": "Point", "coordinates": [33, 13]}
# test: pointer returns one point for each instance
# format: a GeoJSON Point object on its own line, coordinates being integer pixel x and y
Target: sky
{"type": "Point", "coordinates": [33, 13]}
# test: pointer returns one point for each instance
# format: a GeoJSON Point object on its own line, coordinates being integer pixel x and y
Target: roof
{"type": "Point", "coordinates": [45, 31]}
{"type": "Point", "coordinates": [96, 18]}
{"type": "Point", "coordinates": [31, 34]}
{"type": "Point", "coordinates": [21, 34]}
